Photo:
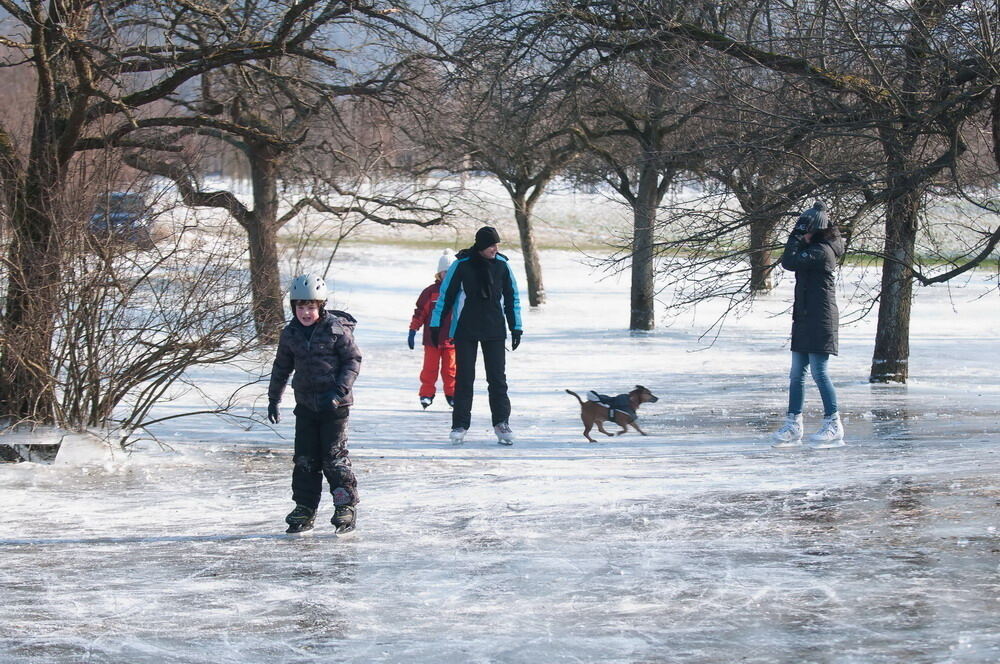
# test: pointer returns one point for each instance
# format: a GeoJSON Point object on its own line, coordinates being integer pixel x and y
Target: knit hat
{"type": "Point", "coordinates": [486, 236]}
{"type": "Point", "coordinates": [444, 262]}
{"type": "Point", "coordinates": [814, 219]}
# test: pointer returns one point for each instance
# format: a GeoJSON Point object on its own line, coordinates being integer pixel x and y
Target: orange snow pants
{"type": "Point", "coordinates": [433, 359]}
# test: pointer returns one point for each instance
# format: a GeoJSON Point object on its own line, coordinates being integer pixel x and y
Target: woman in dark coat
{"type": "Point", "coordinates": [481, 293]}
{"type": "Point", "coordinates": [812, 253]}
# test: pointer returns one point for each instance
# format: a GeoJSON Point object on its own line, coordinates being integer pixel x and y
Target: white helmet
{"type": "Point", "coordinates": [445, 261]}
{"type": "Point", "coordinates": [308, 287]}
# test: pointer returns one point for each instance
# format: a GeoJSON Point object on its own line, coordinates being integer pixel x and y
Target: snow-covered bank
{"type": "Point", "coordinates": [698, 543]}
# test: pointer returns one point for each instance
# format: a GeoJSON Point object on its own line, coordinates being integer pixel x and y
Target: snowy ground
{"type": "Point", "coordinates": [698, 543]}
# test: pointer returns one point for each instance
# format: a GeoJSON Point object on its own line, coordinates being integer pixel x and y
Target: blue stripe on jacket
{"type": "Point", "coordinates": [517, 296]}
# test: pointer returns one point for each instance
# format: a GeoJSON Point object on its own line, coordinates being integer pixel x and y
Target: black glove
{"type": "Point", "coordinates": [411, 338]}
{"type": "Point", "coordinates": [515, 339]}
{"type": "Point", "coordinates": [435, 336]}
{"type": "Point", "coordinates": [273, 416]}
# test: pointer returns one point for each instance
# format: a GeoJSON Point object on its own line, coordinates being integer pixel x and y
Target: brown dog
{"type": "Point", "coordinates": [622, 410]}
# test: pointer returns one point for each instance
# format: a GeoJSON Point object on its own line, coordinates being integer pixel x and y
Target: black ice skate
{"type": "Point", "coordinates": [300, 519]}
{"type": "Point", "coordinates": [343, 518]}
{"type": "Point", "coordinates": [426, 401]}
{"type": "Point", "coordinates": [450, 400]}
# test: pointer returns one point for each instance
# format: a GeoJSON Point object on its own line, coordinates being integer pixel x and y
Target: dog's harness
{"type": "Point", "coordinates": [618, 404]}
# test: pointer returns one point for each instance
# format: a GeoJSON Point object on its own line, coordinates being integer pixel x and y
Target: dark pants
{"type": "Point", "coordinates": [494, 357]}
{"type": "Point", "coordinates": [321, 449]}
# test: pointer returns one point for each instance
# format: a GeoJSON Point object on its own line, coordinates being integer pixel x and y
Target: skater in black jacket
{"type": "Point", "coordinates": [481, 293]}
{"type": "Point", "coordinates": [318, 345]}
{"type": "Point", "coordinates": [812, 253]}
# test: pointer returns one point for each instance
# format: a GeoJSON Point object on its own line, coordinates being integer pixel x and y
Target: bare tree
{"type": "Point", "coordinates": [903, 77]}
{"type": "Point", "coordinates": [764, 153]}
{"type": "Point", "coordinates": [631, 125]}
{"type": "Point", "coordinates": [135, 320]}
{"type": "Point", "coordinates": [267, 115]}
{"type": "Point", "coordinates": [96, 65]}
{"type": "Point", "coordinates": [501, 114]}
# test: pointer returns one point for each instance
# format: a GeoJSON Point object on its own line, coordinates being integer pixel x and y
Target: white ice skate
{"type": "Point", "coordinates": [504, 435]}
{"type": "Point", "coordinates": [790, 432]}
{"type": "Point", "coordinates": [457, 435]}
{"type": "Point", "coordinates": [830, 434]}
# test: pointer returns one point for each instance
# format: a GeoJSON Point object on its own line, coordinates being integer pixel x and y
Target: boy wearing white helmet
{"type": "Point", "coordinates": [439, 357]}
{"type": "Point", "coordinates": [318, 346]}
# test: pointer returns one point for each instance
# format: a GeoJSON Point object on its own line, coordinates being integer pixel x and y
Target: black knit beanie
{"type": "Point", "coordinates": [814, 219]}
{"type": "Point", "coordinates": [486, 236]}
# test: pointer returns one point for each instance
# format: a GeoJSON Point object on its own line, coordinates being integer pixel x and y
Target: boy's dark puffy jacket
{"type": "Point", "coordinates": [815, 317]}
{"type": "Point", "coordinates": [325, 364]}
{"type": "Point", "coordinates": [481, 295]}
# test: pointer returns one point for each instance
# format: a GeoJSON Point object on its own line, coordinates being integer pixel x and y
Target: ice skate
{"type": "Point", "coordinates": [790, 432]}
{"type": "Point", "coordinates": [426, 401]}
{"type": "Point", "coordinates": [300, 519]}
{"type": "Point", "coordinates": [504, 435]}
{"type": "Point", "coordinates": [344, 518]}
{"type": "Point", "coordinates": [830, 434]}
{"type": "Point", "coordinates": [457, 435]}
{"type": "Point", "coordinates": [450, 400]}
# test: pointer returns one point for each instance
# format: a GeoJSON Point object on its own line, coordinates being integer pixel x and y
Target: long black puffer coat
{"type": "Point", "coordinates": [325, 363]}
{"type": "Point", "coordinates": [815, 317]}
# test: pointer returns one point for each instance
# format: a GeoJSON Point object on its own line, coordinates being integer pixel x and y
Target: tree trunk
{"type": "Point", "coordinates": [761, 256]}
{"type": "Point", "coordinates": [532, 262]}
{"type": "Point", "coordinates": [890, 360]}
{"type": "Point", "coordinates": [27, 386]}
{"type": "Point", "coordinates": [261, 226]}
{"type": "Point", "coordinates": [644, 218]}
{"type": "Point", "coordinates": [891, 357]}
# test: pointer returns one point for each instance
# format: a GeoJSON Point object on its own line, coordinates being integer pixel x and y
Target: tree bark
{"type": "Point", "coordinates": [27, 387]}
{"type": "Point", "coordinates": [532, 261]}
{"type": "Point", "coordinates": [35, 256]}
{"type": "Point", "coordinates": [261, 226]}
{"type": "Point", "coordinates": [761, 256]}
{"type": "Point", "coordinates": [644, 219]}
{"type": "Point", "coordinates": [890, 359]}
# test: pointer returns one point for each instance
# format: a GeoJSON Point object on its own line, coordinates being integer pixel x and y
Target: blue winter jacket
{"type": "Point", "coordinates": [482, 297]}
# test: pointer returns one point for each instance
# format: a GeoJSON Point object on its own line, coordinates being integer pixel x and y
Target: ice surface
{"type": "Point", "coordinates": [698, 543]}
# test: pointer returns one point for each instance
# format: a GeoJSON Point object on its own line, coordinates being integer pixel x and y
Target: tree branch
{"type": "Point", "coordinates": [186, 185]}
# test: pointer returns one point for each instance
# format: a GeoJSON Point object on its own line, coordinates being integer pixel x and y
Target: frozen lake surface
{"type": "Point", "coordinates": [698, 543]}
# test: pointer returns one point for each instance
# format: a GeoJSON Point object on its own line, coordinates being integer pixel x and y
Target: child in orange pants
{"type": "Point", "coordinates": [440, 357]}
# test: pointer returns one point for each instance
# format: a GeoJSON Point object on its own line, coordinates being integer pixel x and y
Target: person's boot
{"type": "Point", "coordinates": [344, 517]}
{"type": "Point", "coordinates": [450, 400]}
{"type": "Point", "coordinates": [457, 435]}
{"type": "Point", "coordinates": [426, 401]}
{"type": "Point", "coordinates": [300, 519]}
{"type": "Point", "coordinates": [830, 434]}
{"type": "Point", "coordinates": [790, 432]}
{"type": "Point", "coordinates": [504, 435]}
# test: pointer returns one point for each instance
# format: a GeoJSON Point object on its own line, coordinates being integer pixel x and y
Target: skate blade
{"type": "Point", "coordinates": [787, 445]}
{"type": "Point", "coordinates": [347, 534]}
{"type": "Point", "coordinates": [505, 442]}
{"type": "Point", "coordinates": [828, 445]}
{"type": "Point", "coordinates": [299, 531]}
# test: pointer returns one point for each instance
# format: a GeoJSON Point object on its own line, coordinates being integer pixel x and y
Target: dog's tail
{"type": "Point", "coordinates": [575, 395]}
